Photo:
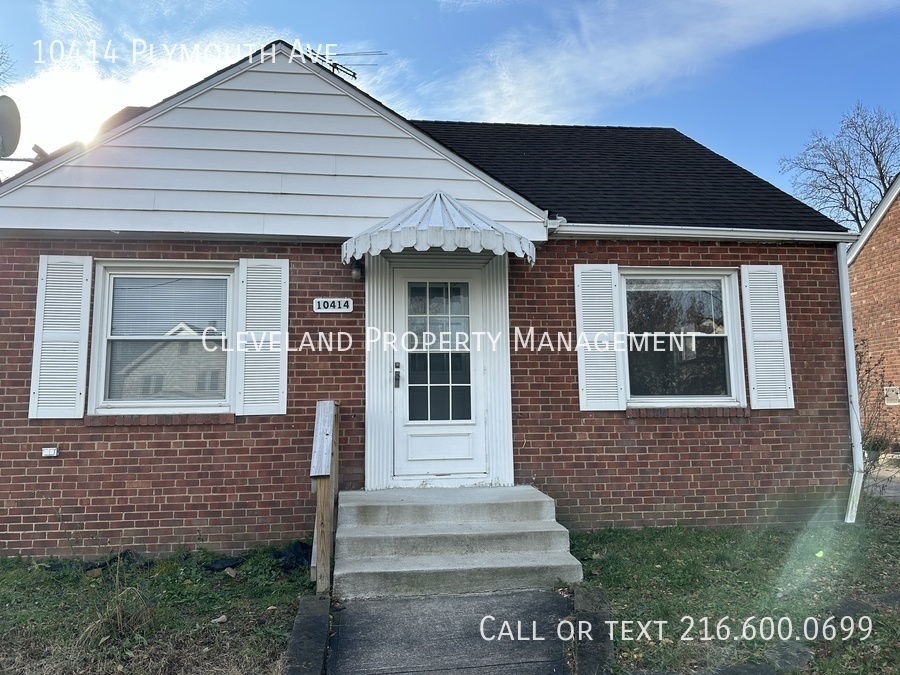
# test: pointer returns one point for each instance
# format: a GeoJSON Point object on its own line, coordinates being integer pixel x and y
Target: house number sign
{"type": "Point", "coordinates": [332, 305]}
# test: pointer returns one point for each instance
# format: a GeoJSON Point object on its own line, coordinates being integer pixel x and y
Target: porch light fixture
{"type": "Point", "coordinates": [356, 270]}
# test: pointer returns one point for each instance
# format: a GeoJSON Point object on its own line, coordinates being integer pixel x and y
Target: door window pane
{"type": "Point", "coordinates": [459, 299]}
{"type": "Point", "coordinates": [417, 326]}
{"type": "Point", "coordinates": [439, 381]}
{"type": "Point", "coordinates": [418, 368]}
{"type": "Point", "coordinates": [440, 368]}
{"type": "Point", "coordinates": [437, 298]}
{"type": "Point", "coordinates": [418, 298]}
{"type": "Point", "coordinates": [459, 330]}
{"type": "Point", "coordinates": [418, 403]}
{"type": "Point", "coordinates": [459, 368]}
{"type": "Point", "coordinates": [440, 403]}
{"type": "Point", "coordinates": [436, 326]}
{"type": "Point", "coordinates": [462, 403]}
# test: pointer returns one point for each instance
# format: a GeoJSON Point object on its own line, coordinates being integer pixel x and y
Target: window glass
{"type": "Point", "coordinates": [418, 404]}
{"type": "Point", "coordinates": [164, 370]}
{"type": "Point", "coordinates": [148, 306]}
{"type": "Point", "coordinates": [155, 345]}
{"type": "Point", "coordinates": [440, 367]}
{"type": "Point", "coordinates": [677, 337]}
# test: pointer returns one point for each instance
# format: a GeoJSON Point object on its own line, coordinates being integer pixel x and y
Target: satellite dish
{"type": "Point", "coordinates": [10, 126]}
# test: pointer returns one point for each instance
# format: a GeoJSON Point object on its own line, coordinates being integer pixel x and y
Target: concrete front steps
{"type": "Point", "coordinates": [448, 541]}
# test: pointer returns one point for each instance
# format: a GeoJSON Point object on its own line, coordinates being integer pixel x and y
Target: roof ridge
{"type": "Point", "coordinates": [544, 125]}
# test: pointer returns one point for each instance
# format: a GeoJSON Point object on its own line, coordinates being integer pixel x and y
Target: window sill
{"type": "Point", "coordinates": [158, 420]}
{"type": "Point", "coordinates": [717, 411]}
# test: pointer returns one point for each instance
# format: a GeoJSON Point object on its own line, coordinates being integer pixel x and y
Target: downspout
{"type": "Point", "coordinates": [852, 393]}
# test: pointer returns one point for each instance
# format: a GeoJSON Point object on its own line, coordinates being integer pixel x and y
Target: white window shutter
{"type": "Point", "coordinates": [261, 370]}
{"type": "Point", "coordinates": [601, 373]}
{"type": "Point", "coordinates": [765, 325]}
{"type": "Point", "coordinates": [59, 362]}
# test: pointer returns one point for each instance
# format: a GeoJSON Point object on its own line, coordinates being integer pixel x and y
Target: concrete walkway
{"type": "Point", "coordinates": [447, 634]}
{"type": "Point", "coordinates": [887, 480]}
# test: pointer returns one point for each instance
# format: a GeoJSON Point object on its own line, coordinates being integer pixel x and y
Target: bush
{"type": "Point", "coordinates": [879, 427]}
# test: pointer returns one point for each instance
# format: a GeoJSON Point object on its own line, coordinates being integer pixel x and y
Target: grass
{"type": "Point", "coordinates": [146, 617]}
{"type": "Point", "coordinates": [668, 574]}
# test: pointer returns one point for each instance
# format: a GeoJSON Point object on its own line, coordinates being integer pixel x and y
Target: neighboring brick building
{"type": "Point", "coordinates": [214, 221]}
{"type": "Point", "coordinates": [874, 264]}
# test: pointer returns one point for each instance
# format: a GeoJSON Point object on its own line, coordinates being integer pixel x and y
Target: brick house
{"type": "Point", "coordinates": [874, 266]}
{"type": "Point", "coordinates": [160, 290]}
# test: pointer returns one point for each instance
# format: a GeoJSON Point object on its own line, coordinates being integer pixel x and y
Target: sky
{"type": "Point", "coordinates": [749, 79]}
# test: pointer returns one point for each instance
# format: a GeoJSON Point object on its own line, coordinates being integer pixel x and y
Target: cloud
{"type": "Point", "coordinates": [596, 54]}
{"type": "Point", "coordinates": [570, 62]}
{"type": "Point", "coordinates": [465, 5]}
{"type": "Point", "coordinates": [68, 20]}
{"type": "Point", "coordinates": [393, 82]}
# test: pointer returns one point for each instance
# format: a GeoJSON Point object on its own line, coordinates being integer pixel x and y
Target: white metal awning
{"type": "Point", "coordinates": [438, 221]}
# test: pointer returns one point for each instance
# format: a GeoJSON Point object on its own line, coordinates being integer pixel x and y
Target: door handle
{"type": "Point", "coordinates": [396, 374]}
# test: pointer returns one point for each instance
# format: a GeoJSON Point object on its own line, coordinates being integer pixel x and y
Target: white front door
{"type": "Point", "coordinates": [439, 432]}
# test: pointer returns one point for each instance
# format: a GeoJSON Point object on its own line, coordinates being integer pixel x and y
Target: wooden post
{"type": "Point", "coordinates": [324, 474]}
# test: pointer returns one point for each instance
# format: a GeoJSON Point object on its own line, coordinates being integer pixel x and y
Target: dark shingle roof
{"type": "Point", "coordinates": [124, 115]}
{"type": "Point", "coordinates": [625, 176]}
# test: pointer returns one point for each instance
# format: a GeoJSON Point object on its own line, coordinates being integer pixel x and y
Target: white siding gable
{"type": "Point", "coordinates": [276, 148]}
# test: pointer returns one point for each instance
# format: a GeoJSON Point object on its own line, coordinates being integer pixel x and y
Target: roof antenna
{"type": "Point", "coordinates": [355, 65]}
{"type": "Point", "coordinates": [340, 69]}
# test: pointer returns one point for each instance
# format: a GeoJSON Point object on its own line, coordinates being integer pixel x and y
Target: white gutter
{"type": "Point", "coordinates": [852, 392]}
{"type": "Point", "coordinates": [609, 231]}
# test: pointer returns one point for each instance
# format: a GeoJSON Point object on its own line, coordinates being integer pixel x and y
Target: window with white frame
{"type": "Point", "coordinates": [168, 337]}
{"type": "Point", "coordinates": [669, 337]}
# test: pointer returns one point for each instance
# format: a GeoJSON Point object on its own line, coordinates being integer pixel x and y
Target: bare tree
{"type": "Point", "coordinates": [6, 64]}
{"type": "Point", "coordinates": [845, 176]}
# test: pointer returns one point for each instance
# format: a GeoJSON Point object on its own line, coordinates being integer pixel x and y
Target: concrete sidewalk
{"type": "Point", "coordinates": [887, 480]}
{"type": "Point", "coordinates": [446, 634]}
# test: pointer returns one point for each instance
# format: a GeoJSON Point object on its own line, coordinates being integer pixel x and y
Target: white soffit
{"type": "Point", "coordinates": [438, 221]}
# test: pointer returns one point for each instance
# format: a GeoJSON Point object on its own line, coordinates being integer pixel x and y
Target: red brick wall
{"type": "Point", "coordinates": [617, 468]}
{"type": "Point", "coordinates": [874, 279]}
{"type": "Point", "coordinates": [159, 484]}
{"type": "Point", "coordinates": [221, 481]}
